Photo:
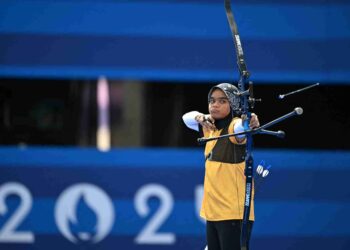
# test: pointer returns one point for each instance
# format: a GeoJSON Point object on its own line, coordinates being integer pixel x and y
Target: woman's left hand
{"type": "Point", "coordinates": [254, 121]}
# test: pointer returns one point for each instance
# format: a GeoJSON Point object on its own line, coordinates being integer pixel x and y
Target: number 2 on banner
{"type": "Point", "coordinates": [148, 234]}
{"type": "Point", "coordinates": [8, 232]}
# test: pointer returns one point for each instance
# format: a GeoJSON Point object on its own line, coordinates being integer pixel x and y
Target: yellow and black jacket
{"type": "Point", "coordinates": [224, 182]}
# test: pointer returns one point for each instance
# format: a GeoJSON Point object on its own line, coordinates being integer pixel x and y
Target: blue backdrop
{"type": "Point", "coordinates": [288, 41]}
{"type": "Point", "coordinates": [67, 198]}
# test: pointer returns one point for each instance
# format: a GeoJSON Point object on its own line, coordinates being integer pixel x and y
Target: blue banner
{"type": "Point", "coordinates": [70, 198]}
{"type": "Point", "coordinates": [284, 41]}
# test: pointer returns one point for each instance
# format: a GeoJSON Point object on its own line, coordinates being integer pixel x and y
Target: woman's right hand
{"type": "Point", "coordinates": [206, 121]}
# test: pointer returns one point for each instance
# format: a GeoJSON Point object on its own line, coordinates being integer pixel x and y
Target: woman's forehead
{"type": "Point", "coordinates": [218, 93]}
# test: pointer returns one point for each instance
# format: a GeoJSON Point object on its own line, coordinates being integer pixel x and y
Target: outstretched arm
{"type": "Point", "coordinates": [238, 127]}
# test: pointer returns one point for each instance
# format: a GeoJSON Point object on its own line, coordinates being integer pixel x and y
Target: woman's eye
{"type": "Point", "coordinates": [220, 101]}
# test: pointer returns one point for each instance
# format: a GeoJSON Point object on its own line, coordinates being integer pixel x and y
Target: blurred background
{"type": "Point", "coordinates": [94, 153]}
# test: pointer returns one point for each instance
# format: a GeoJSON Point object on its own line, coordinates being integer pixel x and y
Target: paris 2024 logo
{"type": "Point", "coordinates": [68, 212]}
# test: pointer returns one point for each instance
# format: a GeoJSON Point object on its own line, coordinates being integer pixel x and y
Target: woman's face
{"type": "Point", "coordinates": [219, 106]}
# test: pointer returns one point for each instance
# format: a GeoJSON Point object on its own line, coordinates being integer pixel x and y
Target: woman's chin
{"type": "Point", "coordinates": [217, 116]}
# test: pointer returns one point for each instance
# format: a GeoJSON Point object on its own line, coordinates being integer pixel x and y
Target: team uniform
{"type": "Point", "coordinates": [224, 181]}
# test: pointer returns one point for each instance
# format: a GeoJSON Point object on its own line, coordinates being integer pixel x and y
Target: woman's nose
{"type": "Point", "coordinates": [216, 103]}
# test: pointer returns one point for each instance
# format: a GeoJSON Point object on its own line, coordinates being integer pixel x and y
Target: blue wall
{"type": "Point", "coordinates": [303, 204]}
{"type": "Point", "coordinates": [288, 41]}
